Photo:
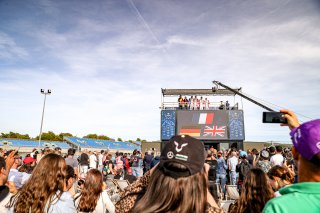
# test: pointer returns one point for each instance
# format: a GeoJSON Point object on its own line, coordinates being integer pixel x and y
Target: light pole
{"type": "Point", "coordinates": [45, 93]}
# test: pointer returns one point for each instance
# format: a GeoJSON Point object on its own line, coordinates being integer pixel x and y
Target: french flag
{"type": "Point", "coordinates": [203, 118]}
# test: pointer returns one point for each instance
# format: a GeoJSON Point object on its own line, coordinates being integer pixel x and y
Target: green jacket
{"type": "Point", "coordinates": [301, 197]}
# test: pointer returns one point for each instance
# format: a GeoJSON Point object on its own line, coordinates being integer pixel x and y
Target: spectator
{"type": "Point", "coordinates": [71, 161]}
{"type": "Point", "coordinates": [84, 162]}
{"type": "Point", "coordinates": [264, 163]}
{"type": "Point", "coordinates": [92, 160]}
{"type": "Point", "coordinates": [108, 170]}
{"type": "Point", "coordinates": [177, 184]}
{"type": "Point", "coordinates": [135, 162]}
{"type": "Point", "coordinates": [212, 173]}
{"type": "Point", "coordinates": [180, 102]}
{"type": "Point", "coordinates": [155, 161]}
{"type": "Point", "coordinates": [280, 177]}
{"type": "Point", "coordinates": [256, 192]}
{"type": "Point", "coordinates": [201, 103]}
{"type": "Point", "coordinates": [305, 195]}
{"type": "Point", "coordinates": [57, 150]}
{"type": "Point", "coordinates": [70, 179]}
{"type": "Point", "coordinates": [100, 160]}
{"type": "Point", "coordinates": [272, 151]}
{"type": "Point", "coordinates": [206, 104]}
{"type": "Point", "coordinates": [185, 101]}
{"type": "Point", "coordinates": [232, 164]}
{"type": "Point", "coordinates": [119, 161]}
{"type": "Point", "coordinates": [277, 159]}
{"type": "Point", "coordinates": [191, 103]}
{"type": "Point", "coordinates": [148, 157]}
{"type": "Point", "coordinates": [44, 192]}
{"type": "Point", "coordinates": [227, 105]}
{"type": "Point", "coordinates": [221, 107]}
{"type": "Point", "coordinates": [5, 194]}
{"type": "Point", "coordinates": [243, 168]}
{"type": "Point", "coordinates": [15, 177]}
{"type": "Point", "coordinates": [221, 171]}
{"type": "Point", "coordinates": [93, 197]}
{"type": "Point", "coordinates": [129, 177]}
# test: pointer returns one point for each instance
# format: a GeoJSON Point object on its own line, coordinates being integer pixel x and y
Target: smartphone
{"type": "Point", "coordinates": [273, 117]}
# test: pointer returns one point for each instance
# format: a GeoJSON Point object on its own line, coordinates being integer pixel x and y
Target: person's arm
{"type": "Point", "coordinates": [108, 203]}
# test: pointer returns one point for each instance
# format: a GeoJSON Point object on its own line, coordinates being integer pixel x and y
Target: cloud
{"type": "Point", "coordinates": [106, 70]}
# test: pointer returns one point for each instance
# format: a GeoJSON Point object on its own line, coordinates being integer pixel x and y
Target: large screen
{"type": "Point", "coordinates": [204, 124]}
{"type": "Point", "coordinates": [168, 124]}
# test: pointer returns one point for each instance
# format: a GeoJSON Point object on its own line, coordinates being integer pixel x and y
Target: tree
{"type": "Point", "coordinates": [61, 135]}
{"type": "Point", "coordinates": [103, 137]}
{"type": "Point", "coordinates": [15, 135]}
{"type": "Point", "coordinates": [49, 136]}
{"type": "Point", "coordinates": [119, 139]}
{"type": "Point", "coordinates": [92, 136]}
{"type": "Point", "coordinates": [138, 139]}
{"type": "Point", "coordinates": [130, 141]}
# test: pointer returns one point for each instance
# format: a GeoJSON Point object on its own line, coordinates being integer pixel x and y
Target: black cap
{"type": "Point", "coordinates": [184, 150]}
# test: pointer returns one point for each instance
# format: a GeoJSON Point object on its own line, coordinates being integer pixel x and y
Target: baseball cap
{"type": "Point", "coordinates": [306, 138]}
{"type": "Point", "coordinates": [28, 160]}
{"type": "Point", "coordinates": [265, 154]}
{"type": "Point", "coordinates": [185, 150]}
{"type": "Point", "coordinates": [243, 154]}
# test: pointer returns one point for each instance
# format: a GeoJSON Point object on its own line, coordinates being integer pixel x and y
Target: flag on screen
{"type": "Point", "coordinates": [203, 118]}
{"type": "Point", "coordinates": [214, 131]}
{"type": "Point", "coordinates": [191, 131]}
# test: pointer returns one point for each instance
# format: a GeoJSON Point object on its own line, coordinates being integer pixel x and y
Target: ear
{"type": "Point", "coordinates": [295, 153]}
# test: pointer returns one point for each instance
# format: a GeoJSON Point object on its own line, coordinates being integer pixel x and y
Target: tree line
{"type": "Point", "coordinates": [51, 136]}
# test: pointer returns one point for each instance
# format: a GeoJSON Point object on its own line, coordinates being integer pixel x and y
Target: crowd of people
{"type": "Point", "coordinates": [184, 178]}
{"type": "Point", "coordinates": [195, 103]}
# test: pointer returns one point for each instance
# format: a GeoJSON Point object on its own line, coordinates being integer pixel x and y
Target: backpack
{"type": "Point", "coordinates": [244, 169]}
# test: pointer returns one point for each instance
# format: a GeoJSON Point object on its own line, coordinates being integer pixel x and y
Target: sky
{"type": "Point", "coordinates": [106, 61]}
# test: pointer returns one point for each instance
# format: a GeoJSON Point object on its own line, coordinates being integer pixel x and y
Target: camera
{"type": "Point", "coordinates": [273, 117]}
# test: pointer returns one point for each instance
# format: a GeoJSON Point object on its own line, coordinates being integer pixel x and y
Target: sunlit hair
{"type": "Point", "coordinates": [166, 194]}
{"type": "Point", "coordinates": [91, 191]}
{"type": "Point", "coordinates": [256, 192]}
{"type": "Point", "coordinates": [44, 187]}
{"type": "Point", "coordinates": [282, 173]}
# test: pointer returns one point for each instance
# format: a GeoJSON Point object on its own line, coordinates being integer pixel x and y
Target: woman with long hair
{"type": "Point", "coordinates": [93, 198]}
{"type": "Point", "coordinates": [44, 191]}
{"type": "Point", "coordinates": [179, 183]}
{"type": "Point", "coordinates": [256, 192]}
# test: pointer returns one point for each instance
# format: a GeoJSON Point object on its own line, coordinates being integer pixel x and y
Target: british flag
{"type": "Point", "coordinates": [214, 131]}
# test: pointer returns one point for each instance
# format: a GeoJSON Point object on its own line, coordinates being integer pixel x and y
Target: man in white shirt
{"type": "Point", "coordinates": [277, 159]}
{"type": "Point", "coordinates": [100, 160]}
{"type": "Point", "coordinates": [232, 164]}
{"type": "Point", "coordinates": [92, 160]}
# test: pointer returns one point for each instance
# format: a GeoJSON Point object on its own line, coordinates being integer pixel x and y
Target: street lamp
{"type": "Point", "coordinates": [45, 93]}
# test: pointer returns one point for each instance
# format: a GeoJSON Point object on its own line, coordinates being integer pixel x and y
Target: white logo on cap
{"type": "Point", "coordinates": [170, 155]}
{"type": "Point", "coordinates": [177, 146]}
{"type": "Point", "coordinates": [318, 145]}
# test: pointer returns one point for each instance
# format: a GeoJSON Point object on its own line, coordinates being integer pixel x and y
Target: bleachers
{"type": "Point", "coordinates": [32, 143]}
{"type": "Point", "coordinates": [102, 144]}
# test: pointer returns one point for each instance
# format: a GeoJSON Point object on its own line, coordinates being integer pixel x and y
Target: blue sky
{"type": "Point", "coordinates": [106, 61]}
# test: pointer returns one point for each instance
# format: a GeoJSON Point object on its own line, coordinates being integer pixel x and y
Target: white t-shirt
{"type": "Point", "coordinates": [233, 161]}
{"type": "Point", "coordinates": [104, 203]}
{"type": "Point", "coordinates": [277, 159]}
{"type": "Point", "coordinates": [100, 159]}
{"type": "Point", "coordinates": [16, 177]}
{"type": "Point", "coordinates": [93, 161]}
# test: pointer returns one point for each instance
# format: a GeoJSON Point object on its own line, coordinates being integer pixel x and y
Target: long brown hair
{"type": "Point", "coordinates": [44, 187]}
{"type": "Point", "coordinates": [91, 191]}
{"type": "Point", "coordinates": [255, 193]}
{"type": "Point", "coordinates": [166, 194]}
